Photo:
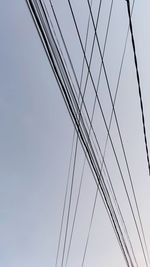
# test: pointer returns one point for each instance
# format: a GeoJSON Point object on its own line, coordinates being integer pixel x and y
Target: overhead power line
{"type": "Point", "coordinates": [71, 100]}
{"type": "Point", "coordinates": [72, 104]}
{"type": "Point", "coordinates": [65, 201]}
{"type": "Point", "coordinates": [103, 156]}
{"type": "Point", "coordinates": [139, 84]}
{"type": "Point", "coordinates": [101, 109]}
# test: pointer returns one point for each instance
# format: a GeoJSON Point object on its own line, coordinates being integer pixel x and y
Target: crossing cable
{"type": "Point", "coordinates": [75, 117]}
{"type": "Point", "coordinates": [58, 43]}
{"type": "Point", "coordinates": [94, 87]}
{"type": "Point", "coordinates": [89, 129]}
{"type": "Point", "coordinates": [92, 113]}
{"type": "Point", "coordinates": [81, 179]}
{"type": "Point", "coordinates": [113, 112]}
{"type": "Point", "coordinates": [99, 75]}
{"type": "Point", "coordinates": [79, 95]}
{"type": "Point", "coordinates": [72, 180]}
{"type": "Point", "coordinates": [91, 159]}
{"type": "Point", "coordinates": [70, 61]}
{"type": "Point", "coordinates": [63, 42]}
{"type": "Point", "coordinates": [140, 97]}
{"type": "Point", "coordinates": [61, 78]}
{"type": "Point", "coordinates": [115, 97]}
{"type": "Point", "coordinates": [136, 225]}
{"type": "Point", "coordinates": [79, 85]}
{"type": "Point", "coordinates": [65, 200]}
{"type": "Point", "coordinates": [103, 162]}
{"type": "Point", "coordinates": [74, 164]}
{"type": "Point", "coordinates": [70, 198]}
{"type": "Point", "coordinates": [70, 105]}
{"type": "Point", "coordinates": [117, 86]}
{"type": "Point", "coordinates": [80, 109]}
{"type": "Point", "coordinates": [73, 140]}
{"type": "Point", "coordinates": [129, 173]}
{"type": "Point", "coordinates": [103, 156]}
{"type": "Point", "coordinates": [139, 84]}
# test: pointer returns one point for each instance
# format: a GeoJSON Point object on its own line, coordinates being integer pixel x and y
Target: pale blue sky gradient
{"type": "Point", "coordinates": [36, 135]}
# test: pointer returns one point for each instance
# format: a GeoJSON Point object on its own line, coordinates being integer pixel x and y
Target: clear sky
{"type": "Point", "coordinates": [36, 137]}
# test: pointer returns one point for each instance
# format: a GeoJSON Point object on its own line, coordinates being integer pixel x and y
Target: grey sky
{"type": "Point", "coordinates": [36, 136]}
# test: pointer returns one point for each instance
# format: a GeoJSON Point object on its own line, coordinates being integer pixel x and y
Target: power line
{"type": "Point", "coordinates": [56, 72]}
{"type": "Point", "coordinates": [64, 203]}
{"type": "Point", "coordinates": [130, 204]}
{"type": "Point", "coordinates": [81, 105]}
{"type": "Point", "coordinates": [73, 108]}
{"type": "Point", "coordinates": [140, 97]}
{"type": "Point", "coordinates": [90, 121]}
{"type": "Point", "coordinates": [69, 105]}
{"type": "Point", "coordinates": [103, 156]}
{"type": "Point", "coordinates": [80, 111]}
{"type": "Point", "coordinates": [100, 68]}
{"type": "Point", "coordinates": [139, 85]}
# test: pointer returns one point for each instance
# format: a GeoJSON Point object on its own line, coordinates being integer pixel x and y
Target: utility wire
{"type": "Point", "coordinates": [70, 200]}
{"type": "Point", "coordinates": [103, 156]}
{"type": "Point", "coordinates": [80, 111]}
{"type": "Point", "coordinates": [130, 204]}
{"type": "Point", "coordinates": [113, 112]}
{"type": "Point", "coordinates": [64, 203]}
{"type": "Point", "coordinates": [69, 170]}
{"type": "Point", "coordinates": [90, 123]}
{"type": "Point", "coordinates": [138, 81]}
{"type": "Point", "coordinates": [72, 105]}
{"type": "Point", "coordinates": [100, 71]}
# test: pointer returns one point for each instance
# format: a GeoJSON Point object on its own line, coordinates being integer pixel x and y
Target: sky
{"type": "Point", "coordinates": [36, 136]}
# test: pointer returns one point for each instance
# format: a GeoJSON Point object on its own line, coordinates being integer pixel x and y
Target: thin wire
{"type": "Point", "coordinates": [115, 119]}
{"type": "Point", "coordinates": [81, 179]}
{"type": "Point", "coordinates": [103, 156]}
{"type": "Point", "coordinates": [141, 103]}
{"type": "Point", "coordinates": [79, 95]}
{"type": "Point", "coordinates": [70, 61]}
{"type": "Point", "coordinates": [113, 112]}
{"type": "Point", "coordinates": [68, 55]}
{"type": "Point", "coordinates": [65, 199]}
{"type": "Point", "coordinates": [69, 1]}
{"type": "Point", "coordinates": [76, 138]}
{"type": "Point", "coordinates": [70, 106]}
{"type": "Point", "coordinates": [139, 84]}
{"type": "Point", "coordinates": [91, 121]}
{"type": "Point", "coordinates": [73, 140]}
{"type": "Point", "coordinates": [62, 82]}
{"type": "Point", "coordinates": [70, 200]}
{"type": "Point", "coordinates": [75, 213]}
{"type": "Point", "coordinates": [79, 85]}
{"type": "Point", "coordinates": [76, 146]}
{"type": "Point", "coordinates": [72, 180]}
